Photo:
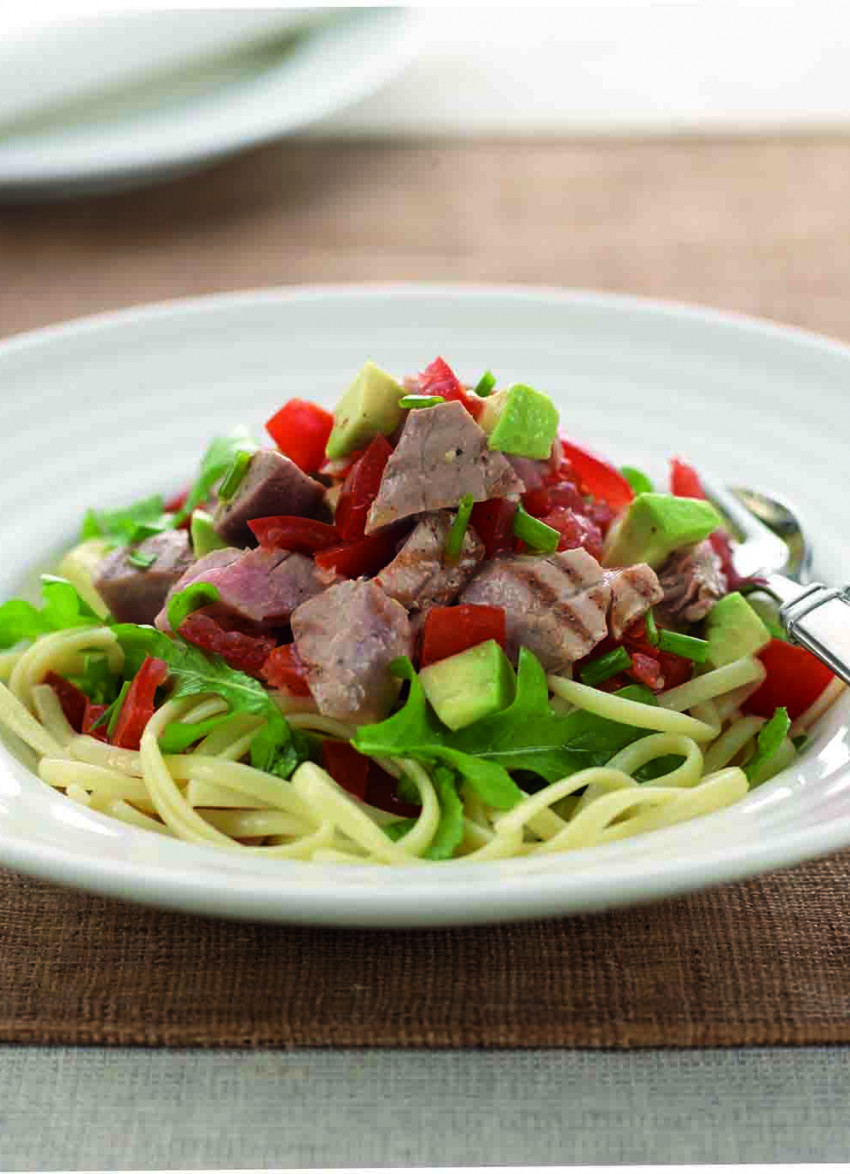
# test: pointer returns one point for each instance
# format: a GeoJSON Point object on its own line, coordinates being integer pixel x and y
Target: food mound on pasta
{"type": "Point", "coordinates": [424, 628]}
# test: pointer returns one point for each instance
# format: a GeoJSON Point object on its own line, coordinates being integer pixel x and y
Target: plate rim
{"type": "Point", "coordinates": [521, 895]}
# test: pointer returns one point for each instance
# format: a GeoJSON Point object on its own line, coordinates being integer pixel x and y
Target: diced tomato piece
{"type": "Point", "coordinates": [381, 792]}
{"type": "Point", "coordinates": [175, 504]}
{"type": "Point", "coordinates": [360, 489]}
{"type": "Point", "coordinates": [138, 706]}
{"type": "Point", "coordinates": [439, 379]}
{"type": "Point", "coordinates": [647, 671]}
{"type": "Point", "coordinates": [347, 766]}
{"type": "Point", "coordinates": [284, 669]}
{"type": "Point", "coordinates": [241, 650]}
{"type": "Point", "coordinates": [72, 700]}
{"type": "Point", "coordinates": [599, 477]}
{"type": "Point", "coordinates": [364, 557]}
{"type": "Point", "coordinates": [301, 430]}
{"type": "Point", "coordinates": [289, 533]}
{"type": "Point", "coordinates": [684, 480]}
{"type": "Point", "coordinates": [493, 522]}
{"type": "Point", "coordinates": [795, 679]}
{"type": "Point", "coordinates": [449, 630]}
{"type": "Point", "coordinates": [575, 530]}
{"type": "Point", "coordinates": [537, 502]}
{"type": "Point", "coordinates": [93, 715]}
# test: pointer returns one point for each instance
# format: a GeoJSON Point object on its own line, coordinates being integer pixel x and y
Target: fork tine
{"type": "Point", "coordinates": [760, 549]}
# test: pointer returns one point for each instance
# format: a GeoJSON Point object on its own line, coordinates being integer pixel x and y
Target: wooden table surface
{"type": "Point", "coordinates": [760, 225]}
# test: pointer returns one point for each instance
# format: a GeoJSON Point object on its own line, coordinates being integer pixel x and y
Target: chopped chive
{"type": "Point", "coordinates": [421, 401]}
{"type": "Point", "coordinates": [639, 481]}
{"type": "Point", "coordinates": [485, 384]}
{"type": "Point", "coordinates": [454, 542]}
{"type": "Point", "coordinates": [141, 560]}
{"type": "Point", "coordinates": [235, 475]}
{"type": "Point", "coordinates": [110, 717]}
{"type": "Point", "coordinates": [651, 629]}
{"type": "Point", "coordinates": [687, 646]}
{"type": "Point", "coordinates": [605, 667]}
{"type": "Point", "coordinates": [534, 533]}
{"type": "Point", "coordinates": [190, 599]}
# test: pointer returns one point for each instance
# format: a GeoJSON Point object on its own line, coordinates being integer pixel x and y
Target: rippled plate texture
{"type": "Point", "coordinates": [108, 409]}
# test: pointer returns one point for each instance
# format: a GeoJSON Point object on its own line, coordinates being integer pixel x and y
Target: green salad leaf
{"type": "Point", "coordinates": [177, 737]}
{"type": "Point", "coordinates": [196, 595]}
{"type": "Point", "coordinates": [215, 463]}
{"type": "Point", "coordinates": [130, 525]}
{"type": "Point", "coordinates": [527, 736]}
{"type": "Point", "coordinates": [275, 748]}
{"type": "Point", "coordinates": [63, 607]}
{"type": "Point", "coordinates": [449, 831]}
{"type": "Point", "coordinates": [97, 680]}
{"type": "Point", "coordinates": [771, 736]}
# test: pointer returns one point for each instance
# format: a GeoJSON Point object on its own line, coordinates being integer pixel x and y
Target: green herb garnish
{"type": "Point", "coordinates": [454, 541]}
{"type": "Point", "coordinates": [177, 737]}
{"type": "Point", "coordinates": [688, 647]}
{"type": "Point", "coordinates": [421, 401]}
{"type": "Point", "coordinates": [534, 533]}
{"type": "Point", "coordinates": [141, 559]}
{"type": "Point", "coordinates": [129, 526]}
{"type": "Point", "coordinates": [485, 384]}
{"type": "Point", "coordinates": [651, 629]}
{"type": "Point", "coordinates": [235, 475]}
{"type": "Point", "coordinates": [196, 595]}
{"type": "Point", "coordinates": [215, 463]}
{"type": "Point", "coordinates": [771, 736]}
{"type": "Point", "coordinates": [605, 667]}
{"type": "Point", "coordinates": [63, 608]}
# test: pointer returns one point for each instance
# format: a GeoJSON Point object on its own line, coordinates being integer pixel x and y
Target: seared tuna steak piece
{"type": "Point", "coordinates": [554, 605]}
{"type": "Point", "coordinates": [261, 586]}
{"type": "Point", "coordinates": [693, 581]}
{"type": "Point", "coordinates": [273, 484]}
{"type": "Point", "coordinates": [347, 638]}
{"type": "Point", "coordinates": [419, 575]}
{"type": "Point", "coordinates": [133, 593]}
{"type": "Point", "coordinates": [633, 592]}
{"type": "Point", "coordinates": [441, 455]}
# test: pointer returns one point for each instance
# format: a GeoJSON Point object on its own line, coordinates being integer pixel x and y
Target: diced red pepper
{"type": "Point", "coordinates": [138, 706]}
{"type": "Point", "coordinates": [301, 430]}
{"type": "Point", "coordinates": [493, 522]}
{"type": "Point", "coordinates": [795, 679]}
{"type": "Point", "coordinates": [284, 669]}
{"type": "Point", "coordinates": [348, 767]}
{"type": "Point", "coordinates": [576, 531]}
{"type": "Point", "coordinates": [93, 715]}
{"type": "Point", "coordinates": [303, 535]}
{"type": "Point", "coordinates": [449, 630]}
{"type": "Point", "coordinates": [364, 557]}
{"type": "Point", "coordinates": [439, 379]}
{"type": "Point", "coordinates": [684, 480]}
{"type": "Point", "coordinates": [241, 650]}
{"type": "Point", "coordinates": [360, 489]}
{"type": "Point", "coordinates": [599, 477]}
{"type": "Point", "coordinates": [381, 792]}
{"type": "Point", "coordinates": [72, 700]}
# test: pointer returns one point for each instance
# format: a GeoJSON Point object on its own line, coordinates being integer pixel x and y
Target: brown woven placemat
{"type": "Point", "coordinates": [766, 962]}
{"type": "Point", "coordinates": [754, 224]}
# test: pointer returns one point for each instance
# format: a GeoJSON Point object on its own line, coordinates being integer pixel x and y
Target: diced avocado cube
{"type": "Point", "coordinates": [204, 537]}
{"type": "Point", "coordinates": [733, 629]}
{"type": "Point", "coordinates": [80, 565]}
{"type": "Point", "coordinates": [656, 524]}
{"type": "Point", "coordinates": [469, 685]}
{"type": "Point", "coordinates": [520, 421]}
{"type": "Point", "coordinates": [368, 407]}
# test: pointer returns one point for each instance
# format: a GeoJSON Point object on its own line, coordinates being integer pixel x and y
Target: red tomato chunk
{"type": "Point", "coordinates": [449, 630]}
{"type": "Point", "coordinates": [247, 653]}
{"type": "Point", "coordinates": [795, 679]}
{"type": "Point", "coordinates": [284, 669]}
{"type": "Point", "coordinates": [360, 489]}
{"type": "Point", "coordinates": [289, 533]}
{"type": "Point", "coordinates": [301, 430]}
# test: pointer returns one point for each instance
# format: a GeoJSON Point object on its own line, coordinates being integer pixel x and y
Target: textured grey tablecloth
{"type": "Point", "coordinates": [71, 1108]}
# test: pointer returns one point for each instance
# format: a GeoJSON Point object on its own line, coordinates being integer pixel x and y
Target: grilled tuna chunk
{"type": "Point", "coordinates": [693, 581]}
{"type": "Point", "coordinates": [556, 606]}
{"type": "Point", "coordinates": [135, 594]}
{"type": "Point", "coordinates": [272, 485]}
{"type": "Point", "coordinates": [633, 592]}
{"type": "Point", "coordinates": [261, 586]}
{"type": "Point", "coordinates": [441, 455]}
{"type": "Point", "coordinates": [347, 638]}
{"type": "Point", "coordinates": [419, 576]}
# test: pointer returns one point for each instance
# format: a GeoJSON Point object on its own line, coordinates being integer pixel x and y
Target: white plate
{"type": "Point", "coordinates": [114, 407]}
{"type": "Point", "coordinates": [158, 132]}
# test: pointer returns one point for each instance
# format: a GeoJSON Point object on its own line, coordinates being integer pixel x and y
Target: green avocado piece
{"type": "Point", "coordinates": [733, 629]}
{"type": "Point", "coordinates": [204, 537]}
{"type": "Point", "coordinates": [656, 524]}
{"type": "Point", "coordinates": [368, 407]}
{"type": "Point", "coordinates": [520, 421]}
{"type": "Point", "coordinates": [469, 685]}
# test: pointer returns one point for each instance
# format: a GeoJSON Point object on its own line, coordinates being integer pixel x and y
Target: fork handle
{"type": "Point", "coordinates": [816, 617]}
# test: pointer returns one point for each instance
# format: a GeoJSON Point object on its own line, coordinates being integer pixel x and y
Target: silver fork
{"type": "Point", "coordinates": [815, 616]}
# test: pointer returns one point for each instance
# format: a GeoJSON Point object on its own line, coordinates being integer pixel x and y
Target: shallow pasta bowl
{"type": "Point", "coordinates": [107, 409]}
